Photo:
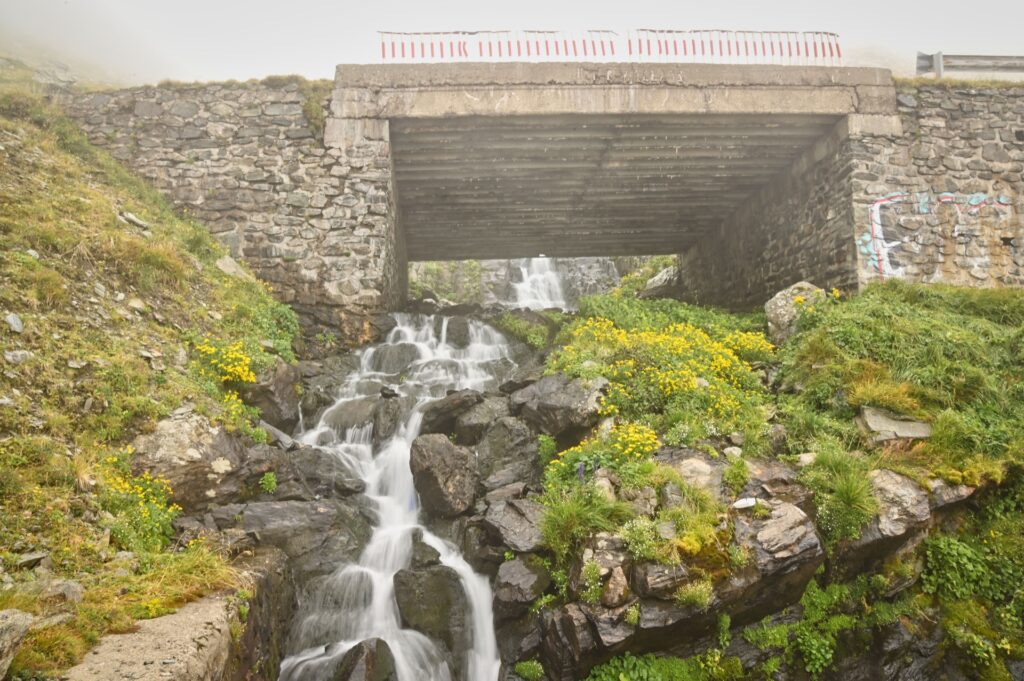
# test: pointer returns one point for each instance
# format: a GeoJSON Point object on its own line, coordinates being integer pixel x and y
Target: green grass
{"type": "Point", "coordinates": [87, 389]}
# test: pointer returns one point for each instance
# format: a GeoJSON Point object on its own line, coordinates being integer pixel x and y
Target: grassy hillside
{"type": "Point", "coordinates": [115, 295]}
{"type": "Point", "coordinates": [689, 376]}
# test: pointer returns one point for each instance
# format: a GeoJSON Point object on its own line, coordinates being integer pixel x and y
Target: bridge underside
{"type": "Point", "coordinates": [583, 185]}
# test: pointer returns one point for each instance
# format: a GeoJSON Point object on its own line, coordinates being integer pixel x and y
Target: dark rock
{"type": "Point", "coordinates": [276, 394]}
{"type": "Point", "coordinates": [657, 580]}
{"type": "Point", "coordinates": [519, 639]}
{"type": "Point", "coordinates": [616, 589]}
{"type": "Point", "coordinates": [316, 535]}
{"type": "Point", "coordinates": [609, 624]}
{"type": "Point", "coordinates": [432, 601]}
{"type": "Point", "coordinates": [350, 414]}
{"type": "Point", "coordinates": [519, 582]}
{"type": "Point", "coordinates": [556, 404]}
{"type": "Point", "coordinates": [320, 383]}
{"type": "Point", "coordinates": [772, 479]}
{"type": "Point", "coordinates": [453, 330]}
{"type": "Point", "coordinates": [27, 561]}
{"type": "Point", "coordinates": [369, 660]}
{"type": "Point", "coordinates": [903, 505]}
{"type": "Point", "coordinates": [309, 474]}
{"type": "Point", "coordinates": [393, 358]}
{"type": "Point", "coordinates": [387, 417]}
{"type": "Point", "coordinates": [508, 454]}
{"type": "Point", "coordinates": [439, 416]}
{"type": "Point", "coordinates": [472, 423]}
{"type": "Point", "coordinates": [569, 640]}
{"type": "Point", "coordinates": [444, 474]}
{"type": "Point", "coordinates": [423, 555]}
{"type": "Point", "coordinates": [516, 523]}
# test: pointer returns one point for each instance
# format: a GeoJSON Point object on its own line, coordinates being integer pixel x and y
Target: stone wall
{"type": "Point", "coordinates": [938, 197]}
{"type": "Point", "coordinates": [943, 202]}
{"type": "Point", "coordinates": [243, 159]}
{"type": "Point", "coordinates": [797, 228]}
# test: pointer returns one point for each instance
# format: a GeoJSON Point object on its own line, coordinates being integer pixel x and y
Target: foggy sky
{"type": "Point", "coordinates": [135, 41]}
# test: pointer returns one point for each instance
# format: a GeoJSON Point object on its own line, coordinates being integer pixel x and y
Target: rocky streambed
{"type": "Point", "coordinates": [402, 538]}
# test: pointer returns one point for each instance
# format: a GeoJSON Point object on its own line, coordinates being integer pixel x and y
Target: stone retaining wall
{"type": "Point", "coordinates": [944, 201]}
{"type": "Point", "coordinates": [243, 159]}
{"type": "Point", "coordinates": [939, 198]}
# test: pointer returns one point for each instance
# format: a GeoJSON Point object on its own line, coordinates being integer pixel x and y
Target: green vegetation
{"type": "Point", "coordinates": [635, 281]}
{"type": "Point", "coordinates": [536, 334]}
{"type": "Point", "coordinates": [947, 355]}
{"type": "Point", "coordinates": [827, 615]}
{"type": "Point", "coordinates": [268, 482]}
{"type": "Point", "coordinates": [457, 281]}
{"type": "Point", "coordinates": [529, 670]}
{"type": "Point", "coordinates": [123, 324]}
{"type": "Point", "coordinates": [684, 375]}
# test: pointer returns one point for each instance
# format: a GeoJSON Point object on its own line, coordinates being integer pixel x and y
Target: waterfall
{"type": "Point", "coordinates": [357, 601]}
{"type": "Point", "coordinates": [540, 287]}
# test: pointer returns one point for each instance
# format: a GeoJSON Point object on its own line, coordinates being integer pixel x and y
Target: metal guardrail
{"type": "Point", "coordinates": [939, 63]}
{"type": "Point", "coordinates": [782, 48]}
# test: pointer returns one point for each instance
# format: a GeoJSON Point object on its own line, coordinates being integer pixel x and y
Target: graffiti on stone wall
{"type": "Point", "coordinates": [881, 253]}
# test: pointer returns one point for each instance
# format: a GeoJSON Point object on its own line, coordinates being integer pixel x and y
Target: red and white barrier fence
{"type": "Point", "coordinates": [783, 48]}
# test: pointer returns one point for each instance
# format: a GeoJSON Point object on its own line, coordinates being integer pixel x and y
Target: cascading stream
{"type": "Point", "coordinates": [357, 601]}
{"type": "Point", "coordinates": [540, 287]}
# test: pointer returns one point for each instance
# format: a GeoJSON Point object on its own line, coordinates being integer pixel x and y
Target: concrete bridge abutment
{"type": "Point", "coordinates": [757, 176]}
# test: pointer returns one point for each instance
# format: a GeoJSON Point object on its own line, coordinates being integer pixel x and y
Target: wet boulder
{"type": "Point", "coordinates": [432, 601]}
{"type": "Point", "coordinates": [350, 414]}
{"type": "Point", "coordinates": [315, 535]}
{"type": "Point", "coordinates": [516, 523]}
{"type": "Point", "coordinates": [453, 330]}
{"type": "Point", "coordinates": [393, 358]}
{"type": "Point", "coordinates": [309, 473]}
{"type": "Point", "coordinates": [369, 660]}
{"type": "Point", "coordinates": [471, 424]}
{"type": "Point", "coordinates": [519, 583]}
{"type": "Point", "coordinates": [439, 416]}
{"type": "Point", "coordinates": [444, 474]}
{"type": "Point", "coordinates": [559, 405]}
{"type": "Point", "coordinates": [276, 394]}
{"type": "Point", "coordinates": [387, 417]}
{"type": "Point", "coordinates": [784, 550]}
{"type": "Point", "coordinates": [569, 643]}
{"type": "Point", "coordinates": [507, 454]}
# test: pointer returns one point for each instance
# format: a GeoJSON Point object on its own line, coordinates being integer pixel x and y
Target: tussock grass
{"type": "Point", "coordinates": [95, 293]}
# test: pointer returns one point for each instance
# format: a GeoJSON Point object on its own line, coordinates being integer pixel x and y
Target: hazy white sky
{"type": "Point", "coordinates": [148, 40]}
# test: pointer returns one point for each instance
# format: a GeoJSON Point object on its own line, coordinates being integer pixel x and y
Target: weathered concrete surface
{"type": "Point", "coordinates": [586, 159]}
{"type": "Point", "coordinates": [193, 644]}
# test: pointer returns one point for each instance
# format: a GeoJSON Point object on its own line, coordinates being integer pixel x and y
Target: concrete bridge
{"type": "Point", "coordinates": [757, 176]}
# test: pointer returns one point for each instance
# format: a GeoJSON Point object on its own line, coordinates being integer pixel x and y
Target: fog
{"type": "Point", "coordinates": [134, 41]}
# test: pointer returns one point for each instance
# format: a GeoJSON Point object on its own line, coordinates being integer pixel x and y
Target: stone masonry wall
{"type": "Point", "coordinates": [938, 198]}
{"type": "Point", "coordinates": [943, 202]}
{"type": "Point", "coordinates": [243, 159]}
{"type": "Point", "coordinates": [798, 228]}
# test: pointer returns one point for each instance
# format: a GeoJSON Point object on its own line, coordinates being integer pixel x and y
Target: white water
{"type": "Point", "coordinates": [357, 601]}
{"type": "Point", "coordinates": [540, 287]}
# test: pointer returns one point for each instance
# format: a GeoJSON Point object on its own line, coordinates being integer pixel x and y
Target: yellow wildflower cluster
{"type": "Point", "coordinates": [627, 442]}
{"type": "Point", "coordinates": [749, 346]}
{"type": "Point", "coordinates": [679, 368]}
{"type": "Point", "coordinates": [140, 504]}
{"type": "Point", "coordinates": [226, 363]}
